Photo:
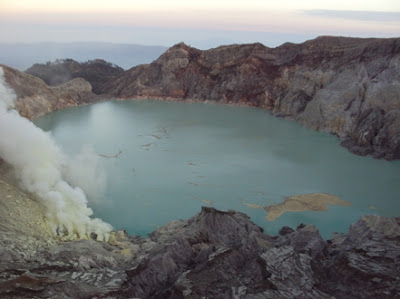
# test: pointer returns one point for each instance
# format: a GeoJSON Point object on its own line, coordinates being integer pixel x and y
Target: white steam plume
{"type": "Point", "coordinates": [86, 171]}
{"type": "Point", "coordinates": [38, 163]}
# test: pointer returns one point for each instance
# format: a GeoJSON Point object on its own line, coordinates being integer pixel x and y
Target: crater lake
{"type": "Point", "coordinates": [164, 160]}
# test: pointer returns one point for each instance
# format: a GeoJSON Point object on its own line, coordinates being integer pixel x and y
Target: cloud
{"type": "Point", "coordinates": [356, 15]}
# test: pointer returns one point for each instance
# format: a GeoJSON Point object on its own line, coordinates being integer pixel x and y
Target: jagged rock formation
{"type": "Point", "coordinates": [211, 255]}
{"type": "Point", "coordinates": [96, 72]}
{"type": "Point", "coordinates": [346, 86]}
{"type": "Point", "coordinates": [35, 98]}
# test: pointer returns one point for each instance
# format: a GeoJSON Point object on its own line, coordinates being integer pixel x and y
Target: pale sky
{"type": "Point", "coordinates": [202, 23]}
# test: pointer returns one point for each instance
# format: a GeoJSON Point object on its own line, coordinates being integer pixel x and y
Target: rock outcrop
{"type": "Point", "coordinates": [35, 98]}
{"type": "Point", "coordinates": [349, 87]}
{"type": "Point", "coordinates": [214, 254]}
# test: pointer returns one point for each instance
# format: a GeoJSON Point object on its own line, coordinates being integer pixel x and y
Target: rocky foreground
{"type": "Point", "coordinates": [214, 254]}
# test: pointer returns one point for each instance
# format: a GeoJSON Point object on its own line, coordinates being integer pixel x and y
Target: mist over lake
{"type": "Point", "coordinates": [164, 160]}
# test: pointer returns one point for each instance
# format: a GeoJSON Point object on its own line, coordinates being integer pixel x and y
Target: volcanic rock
{"type": "Point", "coordinates": [214, 254]}
{"type": "Point", "coordinates": [35, 98]}
{"type": "Point", "coordinates": [96, 72]}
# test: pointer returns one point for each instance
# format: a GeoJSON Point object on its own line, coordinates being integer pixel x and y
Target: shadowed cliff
{"type": "Point", "coordinates": [96, 72]}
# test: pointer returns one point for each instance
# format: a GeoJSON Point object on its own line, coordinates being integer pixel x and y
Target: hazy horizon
{"type": "Point", "coordinates": [204, 39]}
{"type": "Point", "coordinates": [23, 55]}
{"type": "Point", "coordinates": [204, 24]}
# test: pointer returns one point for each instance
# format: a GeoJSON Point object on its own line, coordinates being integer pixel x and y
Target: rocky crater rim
{"type": "Point", "coordinates": [349, 87]}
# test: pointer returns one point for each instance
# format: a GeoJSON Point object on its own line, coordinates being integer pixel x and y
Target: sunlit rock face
{"type": "Point", "coordinates": [347, 86]}
{"type": "Point", "coordinates": [35, 98]}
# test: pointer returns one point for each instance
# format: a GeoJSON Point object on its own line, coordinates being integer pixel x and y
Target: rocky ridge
{"type": "Point", "coordinates": [35, 98]}
{"type": "Point", "coordinates": [214, 254]}
{"type": "Point", "coordinates": [349, 87]}
{"type": "Point", "coordinates": [96, 72]}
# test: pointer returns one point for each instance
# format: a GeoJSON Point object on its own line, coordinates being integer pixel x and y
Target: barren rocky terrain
{"type": "Point", "coordinates": [35, 98]}
{"type": "Point", "coordinates": [211, 255]}
{"type": "Point", "coordinates": [349, 87]}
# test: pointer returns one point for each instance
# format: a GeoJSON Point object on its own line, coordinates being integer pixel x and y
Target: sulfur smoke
{"type": "Point", "coordinates": [38, 164]}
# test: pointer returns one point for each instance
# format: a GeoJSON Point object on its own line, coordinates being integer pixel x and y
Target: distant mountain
{"type": "Point", "coordinates": [96, 72]}
{"type": "Point", "coordinates": [21, 55]}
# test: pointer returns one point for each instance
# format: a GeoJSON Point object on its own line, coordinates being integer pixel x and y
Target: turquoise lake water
{"type": "Point", "coordinates": [177, 157]}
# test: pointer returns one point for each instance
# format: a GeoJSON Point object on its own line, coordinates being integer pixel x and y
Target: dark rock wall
{"type": "Point", "coordinates": [96, 72]}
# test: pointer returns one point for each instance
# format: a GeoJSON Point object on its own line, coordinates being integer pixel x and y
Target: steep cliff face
{"type": "Point", "coordinates": [346, 86]}
{"type": "Point", "coordinates": [35, 98]}
{"type": "Point", "coordinates": [214, 254]}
